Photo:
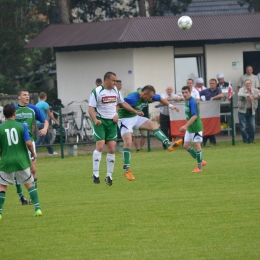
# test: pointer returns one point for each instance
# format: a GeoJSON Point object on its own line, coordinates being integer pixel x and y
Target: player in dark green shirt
{"type": "Point", "coordinates": [27, 114]}
{"type": "Point", "coordinates": [15, 163]}
{"type": "Point", "coordinates": [193, 128]}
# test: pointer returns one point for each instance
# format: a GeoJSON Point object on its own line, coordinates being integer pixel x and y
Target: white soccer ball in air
{"type": "Point", "coordinates": [185, 23]}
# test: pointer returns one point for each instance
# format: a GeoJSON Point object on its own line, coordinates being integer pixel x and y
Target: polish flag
{"type": "Point", "coordinates": [209, 114]}
{"type": "Point", "coordinates": [230, 92]}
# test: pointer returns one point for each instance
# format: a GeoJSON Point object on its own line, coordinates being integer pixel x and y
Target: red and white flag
{"type": "Point", "coordinates": [230, 92]}
{"type": "Point", "coordinates": [209, 114]}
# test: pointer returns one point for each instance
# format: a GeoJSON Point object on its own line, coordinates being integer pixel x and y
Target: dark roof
{"type": "Point", "coordinates": [215, 7]}
{"type": "Point", "coordinates": [149, 31]}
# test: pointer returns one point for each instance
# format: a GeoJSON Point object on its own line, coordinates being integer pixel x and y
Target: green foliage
{"type": "Point", "coordinates": [168, 212]}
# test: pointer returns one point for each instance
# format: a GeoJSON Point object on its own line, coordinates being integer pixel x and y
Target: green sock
{"type": "Point", "coordinates": [34, 197]}
{"type": "Point", "coordinates": [18, 189]}
{"type": "Point", "coordinates": [199, 159]}
{"type": "Point", "coordinates": [193, 153]}
{"type": "Point", "coordinates": [159, 135]}
{"type": "Point", "coordinates": [35, 183]}
{"type": "Point", "coordinates": [2, 200]}
{"type": "Point", "coordinates": [126, 158]}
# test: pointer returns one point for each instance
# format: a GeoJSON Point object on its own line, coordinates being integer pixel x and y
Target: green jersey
{"type": "Point", "coordinates": [134, 100]}
{"type": "Point", "coordinates": [191, 109]}
{"type": "Point", "coordinates": [27, 115]}
{"type": "Point", "coordinates": [15, 157]}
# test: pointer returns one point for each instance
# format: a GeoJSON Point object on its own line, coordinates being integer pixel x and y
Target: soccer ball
{"type": "Point", "coordinates": [185, 23]}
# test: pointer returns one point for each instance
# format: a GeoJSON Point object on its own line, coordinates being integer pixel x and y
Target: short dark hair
{"type": "Point", "coordinates": [213, 80]}
{"type": "Point", "coordinates": [191, 80]}
{"type": "Point", "coordinates": [118, 81]}
{"type": "Point", "coordinates": [42, 95]}
{"type": "Point", "coordinates": [108, 75]}
{"type": "Point", "coordinates": [149, 88]}
{"type": "Point", "coordinates": [22, 90]}
{"type": "Point", "coordinates": [98, 80]}
{"type": "Point", "coordinates": [9, 110]}
{"type": "Point", "coordinates": [186, 87]}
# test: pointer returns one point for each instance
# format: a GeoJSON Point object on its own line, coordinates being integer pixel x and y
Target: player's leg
{"type": "Point", "coordinates": [111, 138]}
{"type": "Point", "coordinates": [25, 177]}
{"type": "Point", "coordinates": [147, 124]}
{"type": "Point", "coordinates": [126, 128]}
{"type": "Point", "coordinates": [197, 139]}
{"type": "Point", "coordinates": [5, 180]}
{"type": "Point", "coordinates": [164, 126]}
{"type": "Point", "coordinates": [99, 138]}
{"type": "Point", "coordinates": [2, 198]}
{"type": "Point", "coordinates": [136, 134]}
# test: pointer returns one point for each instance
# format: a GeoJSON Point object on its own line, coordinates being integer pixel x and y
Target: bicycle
{"type": "Point", "coordinates": [83, 132]}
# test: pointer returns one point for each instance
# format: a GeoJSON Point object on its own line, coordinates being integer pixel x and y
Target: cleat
{"type": "Point", "coordinates": [108, 180]}
{"type": "Point", "coordinates": [30, 202]}
{"type": "Point", "coordinates": [38, 213]}
{"type": "Point", "coordinates": [203, 163]}
{"type": "Point", "coordinates": [197, 170]}
{"type": "Point", "coordinates": [174, 145]}
{"type": "Point", "coordinates": [23, 200]}
{"type": "Point", "coordinates": [128, 174]}
{"type": "Point", "coordinates": [95, 179]}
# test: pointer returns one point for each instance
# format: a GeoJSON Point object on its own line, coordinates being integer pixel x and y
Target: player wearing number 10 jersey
{"type": "Point", "coordinates": [15, 163]}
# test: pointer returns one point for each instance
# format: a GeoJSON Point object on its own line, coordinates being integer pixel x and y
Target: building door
{"type": "Point", "coordinates": [187, 67]}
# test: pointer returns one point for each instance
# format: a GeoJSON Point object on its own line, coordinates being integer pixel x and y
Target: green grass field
{"type": "Point", "coordinates": [166, 213]}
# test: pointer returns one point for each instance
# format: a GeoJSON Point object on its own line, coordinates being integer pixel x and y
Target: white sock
{"type": "Point", "coordinates": [110, 164]}
{"type": "Point", "coordinates": [96, 162]}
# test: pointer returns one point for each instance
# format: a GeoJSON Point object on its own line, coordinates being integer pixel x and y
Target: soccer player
{"type": "Point", "coordinates": [15, 163]}
{"type": "Point", "coordinates": [103, 112]}
{"type": "Point", "coordinates": [27, 114]}
{"type": "Point", "coordinates": [129, 121]}
{"type": "Point", "coordinates": [193, 128]}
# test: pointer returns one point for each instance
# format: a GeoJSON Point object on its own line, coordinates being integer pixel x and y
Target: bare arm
{"type": "Point", "coordinates": [50, 114]}
{"type": "Point", "coordinates": [165, 102]}
{"type": "Point", "coordinates": [45, 128]}
{"type": "Point", "coordinates": [185, 127]}
{"type": "Point", "coordinates": [31, 149]}
{"type": "Point", "coordinates": [92, 115]}
{"type": "Point", "coordinates": [131, 109]}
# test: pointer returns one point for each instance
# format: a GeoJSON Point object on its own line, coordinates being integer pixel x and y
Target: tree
{"type": "Point", "coordinates": [253, 5]}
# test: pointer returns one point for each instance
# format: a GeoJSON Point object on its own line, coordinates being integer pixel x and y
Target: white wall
{"type": "Point", "coordinates": [154, 66]}
{"type": "Point", "coordinates": [219, 58]}
{"type": "Point", "coordinates": [77, 71]}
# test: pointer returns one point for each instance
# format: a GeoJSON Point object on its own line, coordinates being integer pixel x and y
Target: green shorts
{"type": "Point", "coordinates": [106, 131]}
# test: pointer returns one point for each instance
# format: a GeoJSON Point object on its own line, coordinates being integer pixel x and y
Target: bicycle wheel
{"type": "Point", "coordinates": [87, 129]}
{"type": "Point", "coordinates": [72, 136]}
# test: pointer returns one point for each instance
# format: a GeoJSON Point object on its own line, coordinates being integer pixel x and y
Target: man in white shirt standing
{"type": "Point", "coordinates": [103, 112]}
{"type": "Point", "coordinates": [164, 112]}
{"type": "Point", "coordinates": [194, 92]}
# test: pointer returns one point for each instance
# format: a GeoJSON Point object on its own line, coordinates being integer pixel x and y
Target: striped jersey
{"type": "Point", "coordinates": [104, 101]}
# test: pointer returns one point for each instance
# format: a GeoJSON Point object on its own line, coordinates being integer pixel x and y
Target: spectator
{"type": "Point", "coordinates": [247, 105]}
{"type": "Point", "coordinates": [139, 144]}
{"type": "Point", "coordinates": [45, 109]}
{"type": "Point", "coordinates": [98, 82]}
{"type": "Point", "coordinates": [249, 75]}
{"type": "Point", "coordinates": [212, 93]}
{"type": "Point", "coordinates": [123, 92]}
{"type": "Point", "coordinates": [221, 81]}
{"type": "Point", "coordinates": [194, 92]}
{"type": "Point", "coordinates": [200, 86]}
{"type": "Point", "coordinates": [164, 112]}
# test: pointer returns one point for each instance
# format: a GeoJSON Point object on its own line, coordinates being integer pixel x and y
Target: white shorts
{"type": "Point", "coordinates": [34, 148]}
{"type": "Point", "coordinates": [22, 177]}
{"type": "Point", "coordinates": [126, 125]}
{"type": "Point", "coordinates": [193, 137]}
{"type": "Point", "coordinates": [137, 133]}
